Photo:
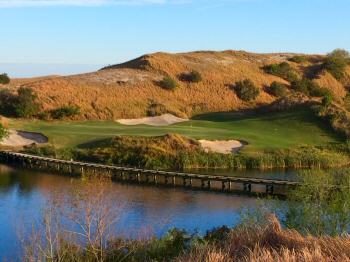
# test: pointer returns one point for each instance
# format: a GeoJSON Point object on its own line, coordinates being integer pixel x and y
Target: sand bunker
{"type": "Point", "coordinates": [163, 120]}
{"type": "Point", "coordinates": [23, 138]}
{"type": "Point", "coordinates": [223, 147]}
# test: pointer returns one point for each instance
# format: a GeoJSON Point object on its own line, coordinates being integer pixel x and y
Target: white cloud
{"type": "Point", "coordinates": [24, 3]}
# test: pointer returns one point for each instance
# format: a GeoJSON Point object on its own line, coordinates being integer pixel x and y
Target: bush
{"type": "Point", "coordinates": [283, 70]}
{"type": "Point", "coordinates": [65, 111]}
{"type": "Point", "coordinates": [168, 83]}
{"type": "Point", "coordinates": [193, 76]}
{"type": "Point", "coordinates": [347, 102]}
{"type": "Point", "coordinates": [25, 103]}
{"type": "Point", "coordinates": [278, 89]}
{"type": "Point", "coordinates": [156, 109]}
{"type": "Point", "coordinates": [327, 100]}
{"type": "Point", "coordinates": [298, 59]}
{"type": "Point", "coordinates": [4, 79]}
{"type": "Point", "coordinates": [7, 102]}
{"type": "Point", "coordinates": [246, 90]}
{"type": "Point", "coordinates": [310, 88]}
{"type": "Point", "coordinates": [336, 63]}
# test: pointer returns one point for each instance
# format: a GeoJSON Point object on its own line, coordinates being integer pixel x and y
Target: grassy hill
{"type": "Point", "coordinates": [130, 89]}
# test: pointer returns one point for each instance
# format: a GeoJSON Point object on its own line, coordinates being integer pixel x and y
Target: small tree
{"type": "Point", "coordinates": [246, 90]}
{"type": "Point", "coordinates": [278, 89]}
{"type": "Point", "coordinates": [168, 83]}
{"type": "Point", "coordinates": [4, 79]}
{"type": "Point", "coordinates": [26, 105]}
{"type": "Point", "coordinates": [336, 62]}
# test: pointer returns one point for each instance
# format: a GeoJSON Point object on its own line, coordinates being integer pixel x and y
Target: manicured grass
{"type": "Point", "coordinates": [263, 131]}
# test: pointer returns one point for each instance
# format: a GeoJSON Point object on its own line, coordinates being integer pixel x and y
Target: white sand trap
{"type": "Point", "coordinates": [163, 120]}
{"type": "Point", "coordinates": [23, 138]}
{"type": "Point", "coordinates": [223, 147]}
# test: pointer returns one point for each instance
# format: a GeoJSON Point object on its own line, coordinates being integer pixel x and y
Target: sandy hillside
{"type": "Point", "coordinates": [130, 89]}
{"type": "Point", "coordinates": [163, 120]}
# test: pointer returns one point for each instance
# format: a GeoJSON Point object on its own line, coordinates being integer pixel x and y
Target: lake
{"type": "Point", "coordinates": [146, 209]}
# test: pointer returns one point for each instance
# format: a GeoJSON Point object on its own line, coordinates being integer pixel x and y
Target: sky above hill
{"type": "Point", "coordinates": [90, 33]}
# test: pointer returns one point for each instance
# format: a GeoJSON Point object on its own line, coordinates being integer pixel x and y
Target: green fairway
{"type": "Point", "coordinates": [269, 130]}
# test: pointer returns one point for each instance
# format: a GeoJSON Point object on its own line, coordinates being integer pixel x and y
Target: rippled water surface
{"type": "Point", "coordinates": [23, 195]}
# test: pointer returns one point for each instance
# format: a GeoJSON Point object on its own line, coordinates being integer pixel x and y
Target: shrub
{"type": "Point", "coordinates": [283, 70]}
{"type": "Point", "coordinates": [168, 83]}
{"type": "Point", "coordinates": [310, 88]}
{"type": "Point", "coordinates": [298, 59]}
{"type": "Point", "coordinates": [193, 76]}
{"type": "Point", "coordinates": [246, 90]}
{"type": "Point", "coordinates": [336, 62]}
{"type": "Point", "coordinates": [65, 111]}
{"type": "Point", "coordinates": [327, 100]}
{"type": "Point", "coordinates": [156, 109]}
{"type": "Point", "coordinates": [4, 79]}
{"type": "Point", "coordinates": [25, 103]}
{"type": "Point", "coordinates": [7, 102]}
{"type": "Point", "coordinates": [347, 102]}
{"type": "Point", "coordinates": [278, 89]}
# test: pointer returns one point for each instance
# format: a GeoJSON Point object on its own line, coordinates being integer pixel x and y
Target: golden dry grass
{"type": "Point", "coordinates": [127, 90]}
{"type": "Point", "coordinates": [271, 243]}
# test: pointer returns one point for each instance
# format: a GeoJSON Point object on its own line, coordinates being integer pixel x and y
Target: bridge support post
{"type": "Point", "coordinates": [247, 187]}
{"type": "Point", "coordinates": [223, 186]}
{"type": "Point", "coordinates": [184, 181]}
{"type": "Point", "coordinates": [269, 189]}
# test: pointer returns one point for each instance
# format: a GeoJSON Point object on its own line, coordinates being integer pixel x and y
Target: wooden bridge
{"type": "Point", "coordinates": [136, 175]}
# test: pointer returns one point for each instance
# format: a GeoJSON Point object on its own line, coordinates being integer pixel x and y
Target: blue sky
{"type": "Point", "coordinates": [90, 33]}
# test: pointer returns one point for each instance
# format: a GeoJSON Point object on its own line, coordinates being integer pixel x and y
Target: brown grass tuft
{"type": "Point", "coordinates": [272, 243]}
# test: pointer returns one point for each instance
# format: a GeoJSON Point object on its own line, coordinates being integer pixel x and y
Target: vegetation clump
{"type": "Point", "coordinates": [64, 112]}
{"type": "Point", "coordinates": [298, 59]}
{"type": "Point", "coordinates": [336, 117]}
{"type": "Point", "coordinates": [283, 70]}
{"type": "Point", "coordinates": [336, 63]}
{"type": "Point", "coordinates": [163, 152]}
{"type": "Point", "coordinates": [156, 109]}
{"type": "Point", "coordinates": [347, 102]}
{"type": "Point", "coordinates": [168, 83]}
{"type": "Point", "coordinates": [4, 79]}
{"type": "Point", "coordinates": [277, 89]}
{"type": "Point", "coordinates": [246, 90]}
{"type": "Point", "coordinates": [193, 76]}
{"type": "Point", "coordinates": [23, 104]}
{"type": "Point", "coordinates": [310, 88]}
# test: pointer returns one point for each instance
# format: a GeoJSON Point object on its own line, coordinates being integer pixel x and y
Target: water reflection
{"type": "Point", "coordinates": [23, 195]}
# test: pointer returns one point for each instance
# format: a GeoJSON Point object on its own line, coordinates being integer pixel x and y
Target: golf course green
{"type": "Point", "coordinates": [261, 131]}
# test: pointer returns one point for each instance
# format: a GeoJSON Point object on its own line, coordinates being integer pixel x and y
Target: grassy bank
{"type": "Point", "coordinates": [176, 152]}
{"type": "Point", "coordinates": [285, 140]}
